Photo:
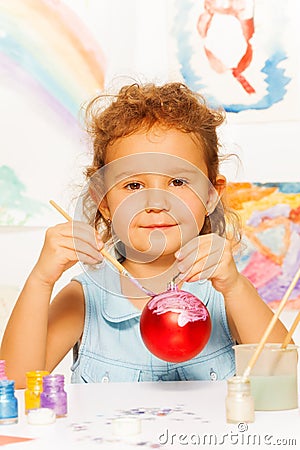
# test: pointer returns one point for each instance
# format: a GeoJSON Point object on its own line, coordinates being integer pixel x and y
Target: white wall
{"type": "Point", "coordinates": [269, 152]}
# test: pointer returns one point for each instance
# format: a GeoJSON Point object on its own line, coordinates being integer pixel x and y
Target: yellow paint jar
{"type": "Point", "coordinates": [34, 387]}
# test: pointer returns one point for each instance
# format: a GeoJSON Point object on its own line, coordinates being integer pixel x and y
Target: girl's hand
{"type": "Point", "coordinates": [66, 244]}
{"type": "Point", "coordinates": [208, 257]}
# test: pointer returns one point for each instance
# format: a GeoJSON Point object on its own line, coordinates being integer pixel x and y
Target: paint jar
{"type": "Point", "coordinates": [8, 403]}
{"type": "Point", "coordinates": [2, 370]}
{"type": "Point", "coordinates": [273, 378]}
{"type": "Point", "coordinates": [54, 395]}
{"type": "Point", "coordinates": [34, 387]}
{"type": "Point", "coordinates": [239, 401]}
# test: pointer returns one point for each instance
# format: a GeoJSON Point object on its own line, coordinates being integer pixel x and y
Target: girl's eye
{"type": "Point", "coordinates": [134, 186]}
{"type": "Point", "coordinates": [178, 182]}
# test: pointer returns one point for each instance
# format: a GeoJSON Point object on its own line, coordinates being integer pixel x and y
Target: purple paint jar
{"type": "Point", "coordinates": [54, 395]}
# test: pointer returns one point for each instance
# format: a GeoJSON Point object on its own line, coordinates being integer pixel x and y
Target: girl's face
{"type": "Point", "coordinates": [157, 191]}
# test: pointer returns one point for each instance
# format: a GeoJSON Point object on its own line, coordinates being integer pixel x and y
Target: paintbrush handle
{"type": "Point", "coordinates": [114, 261]}
{"type": "Point", "coordinates": [60, 210]}
{"type": "Point", "coordinates": [271, 325]}
{"type": "Point", "coordinates": [106, 254]}
{"type": "Point", "coordinates": [291, 331]}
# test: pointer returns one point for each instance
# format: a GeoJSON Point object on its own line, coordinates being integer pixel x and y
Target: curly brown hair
{"type": "Point", "coordinates": [139, 107]}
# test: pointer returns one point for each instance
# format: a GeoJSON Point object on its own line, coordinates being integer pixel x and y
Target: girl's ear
{"type": "Point", "coordinates": [220, 185]}
{"type": "Point", "coordinates": [101, 203]}
{"type": "Point", "coordinates": [104, 209]}
{"type": "Point", "coordinates": [215, 193]}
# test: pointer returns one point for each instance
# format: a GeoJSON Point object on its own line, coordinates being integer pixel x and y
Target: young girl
{"type": "Point", "coordinates": [154, 191]}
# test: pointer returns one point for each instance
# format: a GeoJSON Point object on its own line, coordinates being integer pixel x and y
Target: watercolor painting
{"type": "Point", "coordinates": [270, 252]}
{"type": "Point", "coordinates": [232, 52]}
{"type": "Point", "coordinates": [50, 64]}
{"type": "Point", "coordinates": [15, 207]}
{"type": "Point", "coordinates": [46, 45]}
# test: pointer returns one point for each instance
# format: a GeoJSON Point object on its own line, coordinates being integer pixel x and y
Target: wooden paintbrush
{"type": "Point", "coordinates": [107, 255]}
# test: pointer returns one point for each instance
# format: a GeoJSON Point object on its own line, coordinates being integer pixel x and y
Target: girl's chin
{"type": "Point", "coordinates": [150, 254]}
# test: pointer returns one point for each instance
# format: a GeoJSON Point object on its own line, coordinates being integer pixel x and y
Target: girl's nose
{"type": "Point", "coordinates": [157, 200]}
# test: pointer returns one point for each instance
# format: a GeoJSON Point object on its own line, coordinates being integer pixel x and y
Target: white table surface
{"type": "Point", "coordinates": [174, 415]}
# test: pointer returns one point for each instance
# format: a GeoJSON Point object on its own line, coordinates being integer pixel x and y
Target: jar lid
{"type": "Point", "coordinates": [126, 426]}
{"type": "Point", "coordinates": [41, 416]}
{"type": "Point", "coordinates": [238, 383]}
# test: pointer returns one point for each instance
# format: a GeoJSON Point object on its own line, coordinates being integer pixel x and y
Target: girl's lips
{"type": "Point", "coordinates": [162, 225]}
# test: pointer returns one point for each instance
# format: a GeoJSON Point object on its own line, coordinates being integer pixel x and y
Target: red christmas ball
{"type": "Point", "coordinates": [175, 325]}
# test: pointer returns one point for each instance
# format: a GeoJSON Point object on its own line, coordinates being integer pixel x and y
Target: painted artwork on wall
{"type": "Point", "coordinates": [232, 52]}
{"type": "Point", "coordinates": [270, 251]}
{"type": "Point", "coordinates": [50, 64]}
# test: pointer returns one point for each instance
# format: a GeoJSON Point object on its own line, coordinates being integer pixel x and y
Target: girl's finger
{"type": "Point", "coordinates": [82, 247]}
{"type": "Point", "coordinates": [86, 259]}
{"type": "Point", "coordinates": [59, 245]}
{"type": "Point", "coordinates": [195, 275]}
{"type": "Point", "coordinates": [87, 233]}
{"type": "Point", "coordinates": [208, 242]}
{"type": "Point", "coordinates": [188, 248]}
{"type": "Point", "coordinates": [73, 257]}
{"type": "Point", "coordinates": [79, 230]}
{"type": "Point", "coordinates": [203, 256]}
{"type": "Point", "coordinates": [79, 247]}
